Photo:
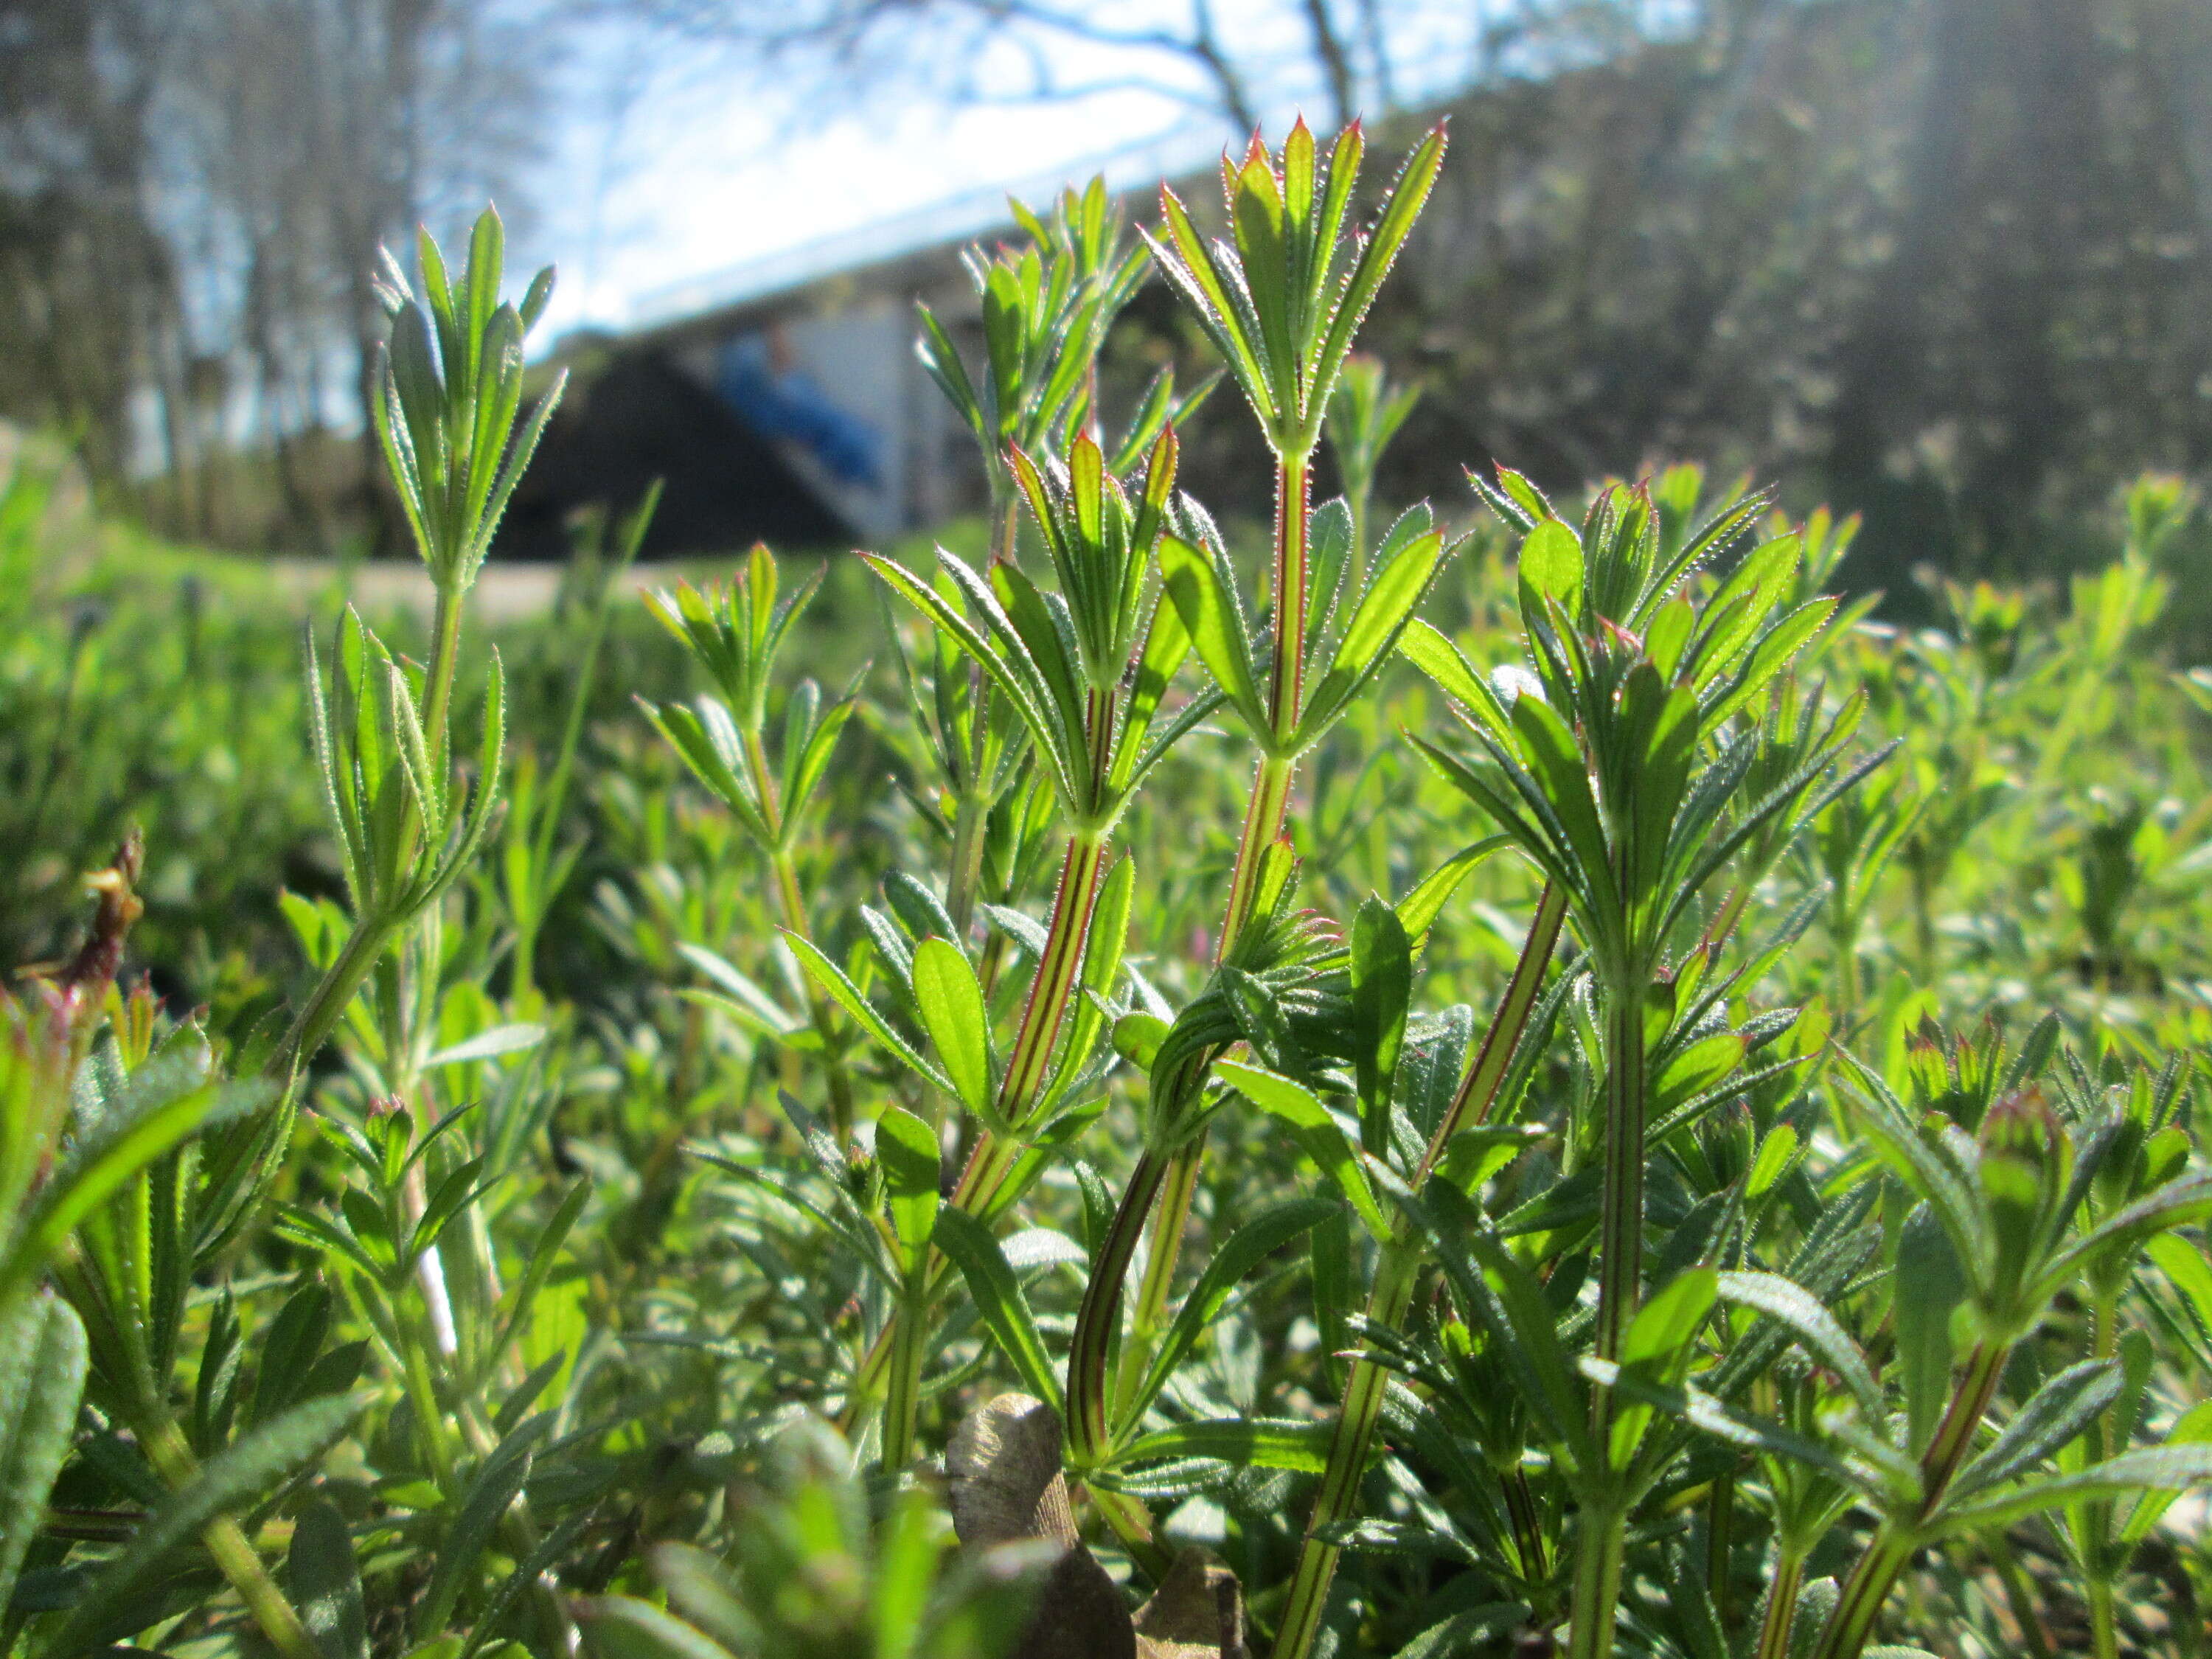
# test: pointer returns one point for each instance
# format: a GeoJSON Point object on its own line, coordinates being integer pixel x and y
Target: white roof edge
{"type": "Point", "coordinates": [1179, 150]}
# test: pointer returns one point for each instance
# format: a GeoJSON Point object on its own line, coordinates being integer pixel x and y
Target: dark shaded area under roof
{"type": "Point", "coordinates": [644, 417]}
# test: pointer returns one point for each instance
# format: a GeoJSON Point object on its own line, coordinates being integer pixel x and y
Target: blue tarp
{"type": "Point", "coordinates": [785, 405]}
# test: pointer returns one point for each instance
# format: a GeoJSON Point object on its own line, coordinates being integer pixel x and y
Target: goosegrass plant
{"type": "Point", "coordinates": [1047, 309]}
{"type": "Point", "coordinates": [1006, 731]}
{"type": "Point", "coordinates": [1282, 300]}
{"type": "Point", "coordinates": [1364, 413]}
{"type": "Point", "coordinates": [1706, 1101]}
{"type": "Point", "coordinates": [134, 1217]}
{"type": "Point", "coordinates": [736, 632]}
{"type": "Point", "coordinates": [1086, 671]}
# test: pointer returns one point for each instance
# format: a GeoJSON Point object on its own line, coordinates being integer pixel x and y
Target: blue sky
{"type": "Point", "coordinates": [701, 172]}
{"type": "Point", "coordinates": [691, 190]}
{"type": "Point", "coordinates": [672, 167]}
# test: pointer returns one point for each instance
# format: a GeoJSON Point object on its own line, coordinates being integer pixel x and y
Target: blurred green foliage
{"type": "Point", "coordinates": [1810, 1253]}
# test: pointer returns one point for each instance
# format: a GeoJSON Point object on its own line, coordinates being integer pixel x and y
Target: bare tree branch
{"type": "Point", "coordinates": [1336, 65]}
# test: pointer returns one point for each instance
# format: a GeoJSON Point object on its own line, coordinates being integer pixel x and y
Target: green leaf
{"type": "Point", "coordinates": [2054, 1416]}
{"type": "Point", "coordinates": [2156, 1468]}
{"type": "Point", "coordinates": [906, 1149]}
{"type": "Point", "coordinates": [1423, 645]}
{"type": "Point", "coordinates": [2194, 1427]}
{"type": "Point", "coordinates": [942, 360]}
{"type": "Point", "coordinates": [2179, 1203]}
{"type": "Point", "coordinates": [1419, 910]}
{"type": "Point", "coordinates": [949, 1000]}
{"type": "Point", "coordinates": [286, 1348]}
{"type": "Point", "coordinates": [1499, 1291]}
{"type": "Point", "coordinates": [832, 979]}
{"type": "Point", "coordinates": [1375, 627]}
{"type": "Point", "coordinates": [528, 1574]}
{"type": "Point", "coordinates": [1262, 246]}
{"type": "Point", "coordinates": [1198, 591]}
{"type": "Point", "coordinates": [488, 1045]}
{"type": "Point", "coordinates": [1715, 1417]}
{"type": "Point", "coordinates": [1167, 642]}
{"type": "Point", "coordinates": [1240, 1253]}
{"type": "Point", "coordinates": [1189, 266]}
{"type": "Point", "coordinates": [741, 997]}
{"type": "Point", "coordinates": [1247, 1442]}
{"type": "Point", "coordinates": [1773, 652]}
{"type": "Point", "coordinates": [236, 1477]}
{"type": "Point", "coordinates": [325, 1580]}
{"type": "Point", "coordinates": [1408, 194]}
{"type": "Point", "coordinates": [1317, 1132]}
{"type": "Point", "coordinates": [706, 738]}
{"type": "Point", "coordinates": [1463, 1633]}
{"type": "Point", "coordinates": [1666, 1324]}
{"type": "Point", "coordinates": [1552, 564]}
{"type": "Point", "coordinates": [1800, 1312]}
{"type": "Point", "coordinates": [1013, 673]}
{"type": "Point", "coordinates": [1777, 1154]}
{"type": "Point", "coordinates": [455, 1192]}
{"type": "Point", "coordinates": [109, 1155]}
{"type": "Point", "coordinates": [1138, 1037]}
{"type": "Point", "coordinates": [998, 1296]}
{"type": "Point", "coordinates": [1657, 1348]}
{"type": "Point", "coordinates": [619, 1627]}
{"type": "Point", "coordinates": [1557, 765]}
{"type": "Point", "coordinates": [42, 1370]}
{"type": "Point", "coordinates": [1928, 1284]}
{"type": "Point", "coordinates": [545, 1254]}
{"type": "Point", "coordinates": [1693, 1069]}
{"type": "Point", "coordinates": [1382, 988]}
{"type": "Point", "coordinates": [496, 1484]}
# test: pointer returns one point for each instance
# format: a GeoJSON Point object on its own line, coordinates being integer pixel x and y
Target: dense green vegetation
{"type": "Point", "coordinates": [1503, 1078]}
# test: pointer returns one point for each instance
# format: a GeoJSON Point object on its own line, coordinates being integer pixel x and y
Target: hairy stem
{"type": "Point", "coordinates": [1030, 1062]}
{"type": "Point", "coordinates": [2019, 1593]}
{"type": "Point", "coordinates": [430, 1413]}
{"type": "Point", "coordinates": [1887, 1552]}
{"type": "Point", "coordinates": [1720, 1514]}
{"type": "Point", "coordinates": [444, 658]}
{"type": "Point", "coordinates": [365, 946]}
{"type": "Point", "coordinates": [1528, 1527]}
{"type": "Point", "coordinates": [2097, 1515]}
{"type": "Point", "coordinates": [1603, 1543]}
{"type": "Point", "coordinates": [1852, 1621]}
{"type": "Point", "coordinates": [1356, 1420]}
{"type": "Point", "coordinates": [971, 816]}
{"type": "Point", "coordinates": [1393, 1291]}
{"type": "Point", "coordinates": [981, 1184]}
{"type": "Point", "coordinates": [909, 1330]}
{"type": "Point", "coordinates": [1263, 822]}
{"type": "Point", "coordinates": [1089, 1430]}
{"type": "Point", "coordinates": [1600, 1559]}
{"type": "Point", "coordinates": [793, 902]}
{"type": "Point", "coordinates": [818, 1006]}
{"type": "Point", "coordinates": [1621, 1240]}
{"type": "Point", "coordinates": [327, 1003]}
{"type": "Point", "coordinates": [1781, 1615]}
{"type": "Point", "coordinates": [1132, 1524]}
{"type": "Point", "coordinates": [233, 1553]}
{"type": "Point", "coordinates": [1293, 522]}
{"type": "Point", "coordinates": [1148, 1321]}
{"type": "Point", "coordinates": [1478, 1089]}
